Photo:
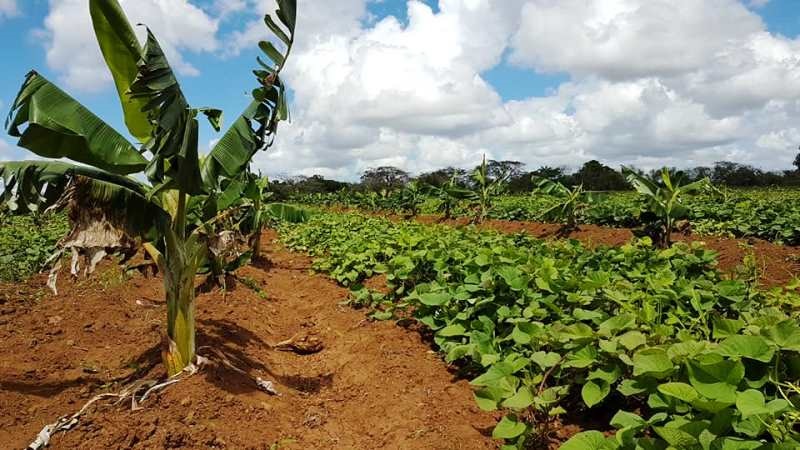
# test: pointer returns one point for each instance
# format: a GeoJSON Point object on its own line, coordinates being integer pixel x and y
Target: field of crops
{"type": "Point", "coordinates": [26, 242]}
{"type": "Point", "coordinates": [655, 341]}
{"type": "Point", "coordinates": [769, 214]}
{"type": "Point", "coordinates": [158, 292]}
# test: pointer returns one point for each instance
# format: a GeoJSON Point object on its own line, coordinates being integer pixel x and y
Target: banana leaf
{"type": "Point", "coordinates": [122, 52]}
{"type": "Point", "coordinates": [52, 124]}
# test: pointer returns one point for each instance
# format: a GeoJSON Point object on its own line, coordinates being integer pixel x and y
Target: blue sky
{"type": "Point", "coordinates": [526, 100]}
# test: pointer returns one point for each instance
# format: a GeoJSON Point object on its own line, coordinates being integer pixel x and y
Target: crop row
{"type": "Point", "coordinates": [770, 214]}
{"type": "Point", "coordinates": [656, 340]}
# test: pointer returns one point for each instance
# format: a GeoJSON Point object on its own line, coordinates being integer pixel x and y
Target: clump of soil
{"type": "Point", "coordinates": [365, 385]}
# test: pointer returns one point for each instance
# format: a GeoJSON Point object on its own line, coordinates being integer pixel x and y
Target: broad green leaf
{"type": "Point", "coordinates": [594, 391]}
{"type": "Point", "coordinates": [624, 419]}
{"type": "Point", "coordinates": [635, 387]}
{"type": "Point", "coordinates": [681, 391]}
{"type": "Point", "coordinates": [121, 51]}
{"type": "Point", "coordinates": [785, 335]}
{"type": "Point", "coordinates": [487, 399]}
{"type": "Point", "coordinates": [729, 443]}
{"type": "Point", "coordinates": [452, 330]}
{"type": "Point", "coordinates": [589, 440]}
{"type": "Point", "coordinates": [521, 400]}
{"type": "Point", "coordinates": [57, 126]}
{"type": "Point", "coordinates": [676, 437]}
{"type": "Point", "coordinates": [727, 327]}
{"type": "Point", "coordinates": [653, 362]}
{"type": "Point", "coordinates": [585, 357]}
{"type": "Point", "coordinates": [716, 381]}
{"type": "Point", "coordinates": [632, 340]}
{"type": "Point", "coordinates": [509, 428]}
{"type": "Point", "coordinates": [751, 403]}
{"type": "Point", "coordinates": [545, 360]}
{"type": "Point", "coordinates": [435, 298]}
{"type": "Point", "coordinates": [616, 324]}
{"type": "Point", "coordinates": [752, 347]}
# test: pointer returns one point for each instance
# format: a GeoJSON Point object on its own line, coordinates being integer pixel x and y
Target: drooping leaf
{"type": "Point", "coordinates": [52, 124]}
{"type": "Point", "coordinates": [173, 140]}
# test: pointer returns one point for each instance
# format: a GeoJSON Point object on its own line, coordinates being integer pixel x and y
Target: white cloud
{"type": "Point", "coordinates": [677, 82]}
{"type": "Point", "coordinates": [8, 8]}
{"type": "Point", "coordinates": [674, 82]}
{"type": "Point", "coordinates": [622, 39]}
{"type": "Point", "coordinates": [72, 49]}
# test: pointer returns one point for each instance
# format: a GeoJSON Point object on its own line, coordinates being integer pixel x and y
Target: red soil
{"type": "Point", "coordinates": [374, 385]}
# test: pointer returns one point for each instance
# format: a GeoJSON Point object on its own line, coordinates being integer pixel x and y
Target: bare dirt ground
{"type": "Point", "coordinates": [375, 385]}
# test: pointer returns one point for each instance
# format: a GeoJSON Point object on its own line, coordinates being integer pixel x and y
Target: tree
{"type": "Point", "coordinates": [595, 176]}
{"type": "Point", "coordinates": [735, 174]}
{"type": "Point", "coordinates": [439, 178]}
{"type": "Point", "coordinates": [53, 125]}
{"type": "Point", "coordinates": [505, 169]}
{"type": "Point", "coordinates": [385, 177]}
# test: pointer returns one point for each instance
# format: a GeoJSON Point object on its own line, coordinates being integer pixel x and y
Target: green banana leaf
{"type": "Point", "coordinates": [254, 129]}
{"type": "Point", "coordinates": [52, 124]}
{"type": "Point", "coordinates": [122, 52]}
{"type": "Point", "coordinates": [174, 139]}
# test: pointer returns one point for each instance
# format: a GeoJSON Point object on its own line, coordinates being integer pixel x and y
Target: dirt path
{"type": "Point", "coordinates": [374, 386]}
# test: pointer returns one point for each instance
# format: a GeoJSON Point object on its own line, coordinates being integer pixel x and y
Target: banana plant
{"type": "Point", "coordinates": [487, 188]}
{"type": "Point", "coordinates": [571, 203]}
{"type": "Point", "coordinates": [51, 124]}
{"type": "Point", "coordinates": [448, 195]}
{"type": "Point", "coordinates": [411, 198]}
{"type": "Point", "coordinates": [665, 201]}
{"type": "Point", "coordinates": [259, 212]}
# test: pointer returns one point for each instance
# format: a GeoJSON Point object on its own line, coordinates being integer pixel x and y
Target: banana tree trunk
{"type": "Point", "coordinates": [179, 289]}
{"type": "Point", "coordinates": [180, 267]}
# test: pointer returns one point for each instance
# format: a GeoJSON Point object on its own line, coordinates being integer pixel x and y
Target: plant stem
{"type": "Point", "coordinates": [180, 268]}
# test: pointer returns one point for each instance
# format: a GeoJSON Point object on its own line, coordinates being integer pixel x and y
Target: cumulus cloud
{"type": "Point", "coordinates": [623, 39]}
{"type": "Point", "coordinates": [676, 82]}
{"type": "Point", "coordinates": [71, 48]}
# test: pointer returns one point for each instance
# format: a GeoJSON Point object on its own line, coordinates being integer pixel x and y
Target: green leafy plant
{"type": "Point", "coordinates": [676, 355]}
{"type": "Point", "coordinates": [665, 200]}
{"type": "Point", "coordinates": [26, 242]}
{"type": "Point", "coordinates": [487, 189]}
{"type": "Point", "coordinates": [411, 197]}
{"type": "Point", "coordinates": [53, 125]}
{"type": "Point", "coordinates": [570, 205]}
{"type": "Point", "coordinates": [448, 196]}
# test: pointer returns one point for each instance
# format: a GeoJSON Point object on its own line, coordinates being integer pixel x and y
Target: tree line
{"type": "Point", "coordinates": [593, 175]}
